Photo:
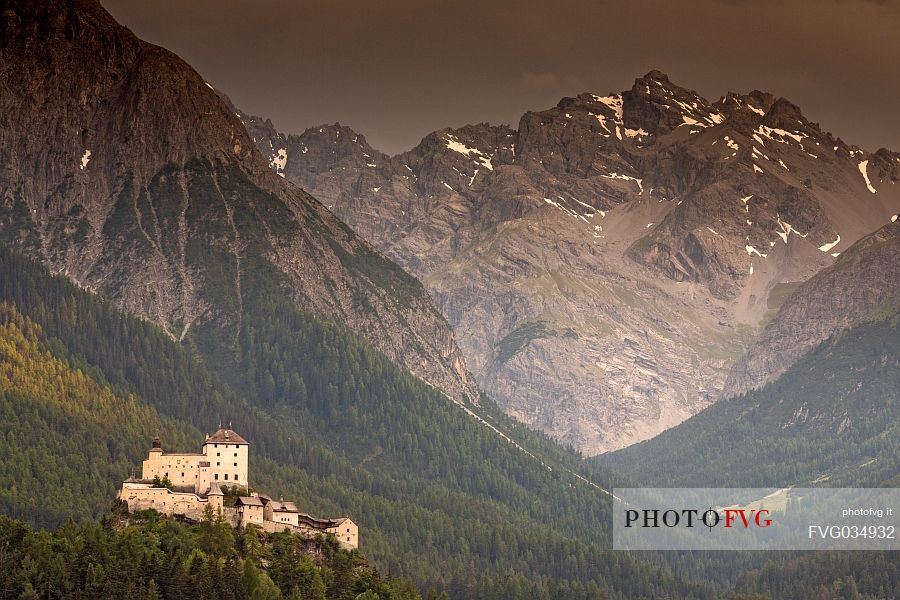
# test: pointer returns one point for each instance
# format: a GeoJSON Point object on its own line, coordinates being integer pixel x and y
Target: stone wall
{"type": "Point", "coordinates": [142, 497]}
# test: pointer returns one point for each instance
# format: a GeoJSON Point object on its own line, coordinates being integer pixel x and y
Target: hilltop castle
{"type": "Point", "coordinates": [186, 484]}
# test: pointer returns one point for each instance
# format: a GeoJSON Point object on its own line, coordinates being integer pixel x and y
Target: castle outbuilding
{"type": "Point", "coordinates": [187, 485]}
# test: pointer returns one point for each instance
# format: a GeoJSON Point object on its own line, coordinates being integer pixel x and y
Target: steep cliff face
{"type": "Point", "coordinates": [864, 279]}
{"type": "Point", "coordinates": [124, 170]}
{"type": "Point", "coordinates": [605, 263]}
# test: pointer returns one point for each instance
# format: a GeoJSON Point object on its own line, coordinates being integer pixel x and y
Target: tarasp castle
{"type": "Point", "coordinates": [186, 484]}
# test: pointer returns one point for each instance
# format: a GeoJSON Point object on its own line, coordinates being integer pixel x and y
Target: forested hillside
{"type": "Point", "coordinates": [149, 558]}
{"type": "Point", "coordinates": [55, 421]}
{"type": "Point", "coordinates": [832, 419]}
{"type": "Point", "coordinates": [438, 495]}
{"type": "Point", "coordinates": [825, 576]}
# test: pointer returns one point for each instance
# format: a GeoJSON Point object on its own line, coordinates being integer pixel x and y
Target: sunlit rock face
{"type": "Point", "coordinates": [605, 263]}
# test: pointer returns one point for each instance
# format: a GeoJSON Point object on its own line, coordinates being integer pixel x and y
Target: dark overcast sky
{"type": "Point", "coordinates": [396, 70]}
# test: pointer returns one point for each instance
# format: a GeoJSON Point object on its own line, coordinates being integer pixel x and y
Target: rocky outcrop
{"type": "Point", "coordinates": [863, 279]}
{"type": "Point", "coordinates": [606, 262]}
{"type": "Point", "coordinates": [123, 169]}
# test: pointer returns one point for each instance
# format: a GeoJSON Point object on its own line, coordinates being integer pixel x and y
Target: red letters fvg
{"type": "Point", "coordinates": [691, 517]}
{"type": "Point", "coordinates": [748, 518]}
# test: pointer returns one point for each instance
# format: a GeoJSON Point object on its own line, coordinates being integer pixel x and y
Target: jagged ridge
{"type": "Point", "coordinates": [641, 233]}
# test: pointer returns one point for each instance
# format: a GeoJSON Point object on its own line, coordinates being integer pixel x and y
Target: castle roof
{"type": "Point", "coordinates": [248, 501]}
{"type": "Point", "coordinates": [281, 506]}
{"type": "Point", "coordinates": [278, 505]}
{"type": "Point", "coordinates": [226, 436]}
{"type": "Point", "coordinates": [214, 490]}
{"type": "Point", "coordinates": [319, 523]}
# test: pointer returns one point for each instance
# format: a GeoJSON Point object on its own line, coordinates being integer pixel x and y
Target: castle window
{"type": "Point", "coordinates": [226, 476]}
{"type": "Point", "coordinates": [218, 454]}
{"type": "Point", "coordinates": [235, 477]}
{"type": "Point", "coordinates": [216, 445]}
{"type": "Point", "coordinates": [235, 454]}
{"type": "Point", "coordinates": [217, 476]}
{"type": "Point", "coordinates": [217, 464]}
{"type": "Point", "coordinates": [182, 475]}
{"type": "Point", "coordinates": [235, 464]}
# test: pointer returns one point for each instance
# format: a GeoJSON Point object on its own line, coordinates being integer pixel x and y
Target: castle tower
{"type": "Point", "coordinates": [216, 498]}
{"type": "Point", "coordinates": [228, 455]}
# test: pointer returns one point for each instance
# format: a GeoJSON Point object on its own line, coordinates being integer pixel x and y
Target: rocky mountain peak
{"type": "Point", "coordinates": [656, 75]}
{"type": "Point", "coordinates": [123, 169]}
{"type": "Point", "coordinates": [333, 147]}
{"type": "Point", "coordinates": [604, 263]}
{"type": "Point", "coordinates": [130, 104]}
{"type": "Point", "coordinates": [657, 105]}
{"type": "Point", "coordinates": [762, 100]}
{"type": "Point", "coordinates": [472, 146]}
{"type": "Point", "coordinates": [885, 165]}
{"type": "Point", "coordinates": [336, 135]}
{"type": "Point", "coordinates": [750, 107]}
{"type": "Point", "coordinates": [785, 114]}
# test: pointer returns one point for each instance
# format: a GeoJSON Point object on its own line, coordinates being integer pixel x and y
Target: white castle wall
{"type": "Point", "coordinates": [221, 463]}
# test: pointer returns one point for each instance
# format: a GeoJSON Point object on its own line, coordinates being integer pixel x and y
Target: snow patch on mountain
{"type": "Point", "coordinates": [635, 133]}
{"type": "Point", "coordinates": [787, 229]}
{"type": "Point", "coordinates": [279, 161]}
{"type": "Point", "coordinates": [751, 251]}
{"type": "Point", "coordinates": [614, 102]}
{"type": "Point", "coordinates": [457, 146]}
{"type": "Point", "coordinates": [778, 135]}
{"type": "Point", "coordinates": [758, 154]}
{"type": "Point", "coordinates": [862, 169]}
{"type": "Point", "coordinates": [565, 209]}
{"type": "Point", "coordinates": [640, 182]}
{"type": "Point", "coordinates": [602, 121]}
{"type": "Point", "coordinates": [827, 247]}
